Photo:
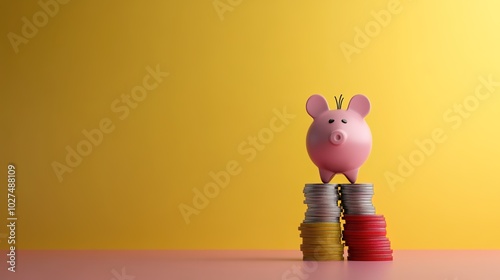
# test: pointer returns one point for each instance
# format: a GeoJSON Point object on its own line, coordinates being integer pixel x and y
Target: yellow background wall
{"type": "Point", "coordinates": [233, 68]}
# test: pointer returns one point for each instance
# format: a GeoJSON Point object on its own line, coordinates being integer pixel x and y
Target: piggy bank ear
{"type": "Point", "coordinates": [359, 104]}
{"type": "Point", "coordinates": [316, 104]}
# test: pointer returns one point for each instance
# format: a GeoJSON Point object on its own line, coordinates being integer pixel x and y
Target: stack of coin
{"type": "Point", "coordinates": [356, 199]}
{"type": "Point", "coordinates": [321, 230]}
{"type": "Point", "coordinates": [364, 232]}
{"type": "Point", "coordinates": [365, 237]}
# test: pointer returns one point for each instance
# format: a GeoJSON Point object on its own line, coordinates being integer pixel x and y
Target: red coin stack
{"type": "Point", "coordinates": [365, 236]}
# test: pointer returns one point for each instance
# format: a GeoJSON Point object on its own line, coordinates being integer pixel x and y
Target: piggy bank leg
{"type": "Point", "coordinates": [326, 175]}
{"type": "Point", "coordinates": [351, 175]}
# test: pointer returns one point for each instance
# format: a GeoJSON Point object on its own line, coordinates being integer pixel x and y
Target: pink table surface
{"type": "Point", "coordinates": [254, 265]}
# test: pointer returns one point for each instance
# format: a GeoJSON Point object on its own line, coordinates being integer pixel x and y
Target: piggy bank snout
{"type": "Point", "coordinates": [337, 137]}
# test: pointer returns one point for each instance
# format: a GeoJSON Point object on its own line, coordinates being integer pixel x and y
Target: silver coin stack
{"type": "Point", "coordinates": [356, 199]}
{"type": "Point", "coordinates": [322, 203]}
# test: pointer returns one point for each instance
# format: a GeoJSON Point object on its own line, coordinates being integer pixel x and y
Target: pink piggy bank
{"type": "Point", "coordinates": [338, 141]}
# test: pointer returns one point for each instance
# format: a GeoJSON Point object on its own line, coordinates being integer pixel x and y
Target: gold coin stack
{"type": "Point", "coordinates": [321, 230]}
{"type": "Point", "coordinates": [321, 242]}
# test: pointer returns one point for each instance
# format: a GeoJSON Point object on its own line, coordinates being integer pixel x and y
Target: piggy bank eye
{"type": "Point", "coordinates": [331, 120]}
{"type": "Point", "coordinates": [344, 120]}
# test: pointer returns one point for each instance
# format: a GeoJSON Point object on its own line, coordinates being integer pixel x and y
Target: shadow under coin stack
{"type": "Point", "coordinates": [320, 231]}
{"type": "Point", "coordinates": [364, 232]}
